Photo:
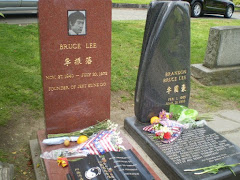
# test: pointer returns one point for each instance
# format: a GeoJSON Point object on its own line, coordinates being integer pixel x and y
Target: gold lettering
{"type": "Point", "coordinates": [73, 86]}
{"type": "Point", "coordinates": [70, 46]}
{"type": "Point", "coordinates": [93, 85]}
{"type": "Point", "coordinates": [51, 77]}
{"type": "Point", "coordinates": [58, 88]}
{"type": "Point", "coordinates": [176, 73]}
{"type": "Point", "coordinates": [60, 76]}
{"type": "Point", "coordinates": [182, 101]}
{"type": "Point", "coordinates": [80, 86]}
{"type": "Point", "coordinates": [68, 76]}
{"type": "Point", "coordinates": [182, 97]}
{"type": "Point", "coordinates": [91, 45]}
{"type": "Point", "coordinates": [102, 73]}
{"type": "Point", "coordinates": [103, 84]}
{"type": "Point", "coordinates": [86, 75]}
{"type": "Point", "coordinates": [170, 79]}
{"type": "Point", "coordinates": [182, 78]}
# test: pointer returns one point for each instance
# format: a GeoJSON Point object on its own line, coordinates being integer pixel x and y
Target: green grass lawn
{"type": "Point", "coordinates": [20, 63]}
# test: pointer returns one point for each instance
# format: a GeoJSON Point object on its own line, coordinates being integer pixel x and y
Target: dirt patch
{"type": "Point", "coordinates": [15, 138]}
{"type": "Point", "coordinates": [16, 134]}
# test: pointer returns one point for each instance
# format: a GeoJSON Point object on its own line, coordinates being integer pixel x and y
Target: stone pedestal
{"type": "Point", "coordinates": [50, 169]}
{"type": "Point", "coordinates": [195, 148]}
{"type": "Point", "coordinates": [215, 76]}
{"type": "Point", "coordinates": [222, 63]}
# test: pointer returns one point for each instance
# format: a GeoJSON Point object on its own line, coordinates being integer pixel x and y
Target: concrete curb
{"type": "Point", "coordinates": [38, 164]}
{"type": "Point", "coordinates": [125, 5]}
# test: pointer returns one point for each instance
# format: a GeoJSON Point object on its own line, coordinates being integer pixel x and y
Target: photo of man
{"type": "Point", "coordinates": [76, 23]}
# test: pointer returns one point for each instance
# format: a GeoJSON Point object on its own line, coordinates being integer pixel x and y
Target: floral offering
{"type": "Point", "coordinates": [167, 129]}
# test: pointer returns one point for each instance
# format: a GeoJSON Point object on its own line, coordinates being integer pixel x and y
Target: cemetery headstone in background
{"type": "Point", "coordinates": [75, 39]}
{"type": "Point", "coordinates": [164, 78]}
{"type": "Point", "coordinates": [222, 63]}
{"type": "Point", "coordinates": [164, 71]}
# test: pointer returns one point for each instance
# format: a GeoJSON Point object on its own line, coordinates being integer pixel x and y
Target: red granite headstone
{"type": "Point", "coordinates": [75, 41]}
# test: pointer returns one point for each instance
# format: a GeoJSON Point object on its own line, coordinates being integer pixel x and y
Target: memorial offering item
{"type": "Point", "coordinates": [60, 140]}
{"type": "Point", "coordinates": [164, 70]}
{"type": "Point", "coordinates": [62, 161]}
{"type": "Point", "coordinates": [80, 135]}
{"type": "Point", "coordinates": [214, 168]}
{"type": "Point", "coordinates": [111, 165]}
{"type": "Point", "coordinates": [168, 130]}
{"type": "Point", "coordinates": [99, 143]}
{"type": "Point", "coordinates": [194, 148]}
{"type": "Point", "coordinates": [75, 40]}
{"type": "Point", "coordinates": [107, 124]}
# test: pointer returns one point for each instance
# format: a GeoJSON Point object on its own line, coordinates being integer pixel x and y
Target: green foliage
{"type": "Point", "coordinates": [236, 2]}
{"type": "Point", "coordinates": [20, 69]}
{"type": "Point", "coordinates": [3, 156]}
{"type": "Point", "coordinates": [1, 14]}
{"type": "Point", "coordinates": [126, 49]}
{"type": "Point", "coordinates": [216, 95]}
{"type": "Point", "coordinates": [214, 169]}
{"type": "Point", "coordinates": [199, 35]}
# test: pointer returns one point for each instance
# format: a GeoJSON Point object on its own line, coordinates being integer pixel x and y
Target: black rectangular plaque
{"type": "Point", "coordinates": [111, 165]}
{"type": "Point", "coordinates": [195, 148]}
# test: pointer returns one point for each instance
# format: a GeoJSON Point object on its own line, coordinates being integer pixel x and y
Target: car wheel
{"type": "Point", "coordinates": [229, 12]}
{"type": "Point", "coordinates": [196, 9]}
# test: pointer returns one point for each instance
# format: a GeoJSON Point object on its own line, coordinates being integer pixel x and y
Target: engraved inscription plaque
{"type": "Point", "coordinates": [75, 42]}
{"type": "Point", "coordinates": [195, 148]}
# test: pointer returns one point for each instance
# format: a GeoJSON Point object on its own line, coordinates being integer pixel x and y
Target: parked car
{"type": "Point", "coordinates": [18, 6]}
{"type": "Point", "coordinates": [200, 7]}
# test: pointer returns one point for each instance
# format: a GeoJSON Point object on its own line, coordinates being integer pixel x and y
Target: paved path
{"type": "Point", "coordinates": [129, 14]}
{"type": "Point", "coordinates": [140, 14]}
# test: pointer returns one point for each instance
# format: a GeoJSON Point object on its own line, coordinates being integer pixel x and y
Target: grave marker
{"type": "Point", "coordinates": [221, 64]}
{"type": "Point", "coordinates": [195, 148]}
{"type": "Point", "coordinates": [164, 61]}
{"type": "Point", "coordinates": [75, 39]}
{"type": "Point", "coordinates": [164, 71]}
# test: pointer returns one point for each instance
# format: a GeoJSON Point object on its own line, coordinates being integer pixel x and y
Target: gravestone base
{"type": "Point", "coordinates": [195, 148]}
{"type": "Point", "coordinates": [215, 76]}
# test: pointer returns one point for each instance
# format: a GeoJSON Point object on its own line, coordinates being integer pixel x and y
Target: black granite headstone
{"type": "Point", "coordinates": [195, 148]}
{"type": "Point", "coordinates": [163, 79]}
{"type": "Point", "coordinates": [164, 70]}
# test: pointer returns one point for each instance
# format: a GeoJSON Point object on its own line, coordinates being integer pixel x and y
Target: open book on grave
{"type": "Point", "coordinates": [112, 165]}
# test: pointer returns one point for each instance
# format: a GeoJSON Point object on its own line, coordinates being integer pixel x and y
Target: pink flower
{"type": "Point", "coordinates": [159, 133]}
{"type": "Point", "coordinates": [163, 115]}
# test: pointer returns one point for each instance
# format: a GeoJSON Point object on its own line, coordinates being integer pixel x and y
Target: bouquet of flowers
{"type": "Point", "coordinates": [167, 130]}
